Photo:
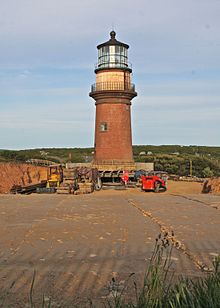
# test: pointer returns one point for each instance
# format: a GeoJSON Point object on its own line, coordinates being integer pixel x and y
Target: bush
{"type": "Point", "coordinates": [207, 172]}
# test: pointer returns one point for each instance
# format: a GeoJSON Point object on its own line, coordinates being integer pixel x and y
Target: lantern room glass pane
{"type": "Point", "coordinates": [112, 56]}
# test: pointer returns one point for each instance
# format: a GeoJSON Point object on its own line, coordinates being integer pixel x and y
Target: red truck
{"type": "Point", "coordinates": [153, 183]}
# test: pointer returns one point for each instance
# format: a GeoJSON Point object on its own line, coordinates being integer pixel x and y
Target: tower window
{"type": "Point", "coordinates": [103, 127]}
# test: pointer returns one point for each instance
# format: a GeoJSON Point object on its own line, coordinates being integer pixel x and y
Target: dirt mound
{"type": "Point", "coordinates": [212, 185]}
{"type": "Point", "coordinates": [20, 174]}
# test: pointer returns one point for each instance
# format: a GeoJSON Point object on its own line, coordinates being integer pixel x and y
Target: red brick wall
{"type": "Point", "coordinates": [116, 142]}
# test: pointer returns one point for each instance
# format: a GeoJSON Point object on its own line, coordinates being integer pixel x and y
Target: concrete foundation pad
{"type": "Point", "coordinates": [76, 244]}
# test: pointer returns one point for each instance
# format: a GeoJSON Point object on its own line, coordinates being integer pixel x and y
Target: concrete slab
{"type": "Point", "coordinates": [76, 244]}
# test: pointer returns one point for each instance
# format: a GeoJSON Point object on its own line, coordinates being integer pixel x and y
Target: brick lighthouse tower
{"type": "Point", "coordinates": [113, 92]}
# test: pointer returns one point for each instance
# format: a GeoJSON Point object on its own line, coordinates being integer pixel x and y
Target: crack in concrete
{"type": "Point", "coordinates": [195, 200]}
{"type": "Point", "coordinates": [169, 232]}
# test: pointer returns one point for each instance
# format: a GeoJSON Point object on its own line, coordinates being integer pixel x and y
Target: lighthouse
{"type": "Point", "coordinates": [113, 92]}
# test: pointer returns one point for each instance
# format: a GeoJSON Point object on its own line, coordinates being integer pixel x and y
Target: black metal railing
{"type": "Point", "coordinates": [113, 86]}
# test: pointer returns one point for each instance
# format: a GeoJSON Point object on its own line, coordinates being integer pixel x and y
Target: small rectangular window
{"type": "Point", "coordinates": [103, 127]}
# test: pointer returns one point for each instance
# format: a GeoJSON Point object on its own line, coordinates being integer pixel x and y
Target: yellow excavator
{"type": "Point", "coordinates": [54, 175]}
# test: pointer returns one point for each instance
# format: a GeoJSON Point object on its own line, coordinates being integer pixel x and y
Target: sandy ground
{"type": "Point", "coordinates": [76, 244]}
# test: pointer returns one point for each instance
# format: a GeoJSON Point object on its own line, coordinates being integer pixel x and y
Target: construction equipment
{"type": "Point", "coordinates": [54, 176]}
{"type": "Point", "coordinates": [88, 180]}
{"type": "Point", "coordinates": [81, 180]}
{"type": "Point", "coordinates": [69, 183]}
{"type": "Point", "coordinates": [153, 183]}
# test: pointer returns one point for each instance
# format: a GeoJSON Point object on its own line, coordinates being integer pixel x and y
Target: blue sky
{"type": "Point", "coordinates": [47, 57]}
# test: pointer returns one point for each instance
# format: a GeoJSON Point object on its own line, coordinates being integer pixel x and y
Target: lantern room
{"type": "Point", "coordinates": [112, 54]}
{"type": "Point", "coordinates": [113, 72]}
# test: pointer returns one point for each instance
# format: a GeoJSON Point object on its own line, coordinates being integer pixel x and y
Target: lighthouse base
{"type": "Point", "coordinates": [114, 166]}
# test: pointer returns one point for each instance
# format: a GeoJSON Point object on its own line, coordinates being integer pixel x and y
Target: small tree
{"type": "Point", "coordinates": [207, 172]}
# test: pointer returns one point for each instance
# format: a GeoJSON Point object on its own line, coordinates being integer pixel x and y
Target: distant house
{"type": "Point", "coordinates": [43, 153]}
{"type": "Point", "coordinates": [144, 153]}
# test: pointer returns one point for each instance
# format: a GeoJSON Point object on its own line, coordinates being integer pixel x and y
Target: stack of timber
{"type": "Point", "coordinates": [84, 188]}
{"type": "Point", "coordinates": [69, 175]}
{"type": "Point", "coordinates": [64, 189]}
{"type": "Point", "coordinates": [69, 180]}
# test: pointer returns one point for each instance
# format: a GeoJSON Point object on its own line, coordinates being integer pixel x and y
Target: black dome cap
{"type": "Point", "coordinates": [113, 41]}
